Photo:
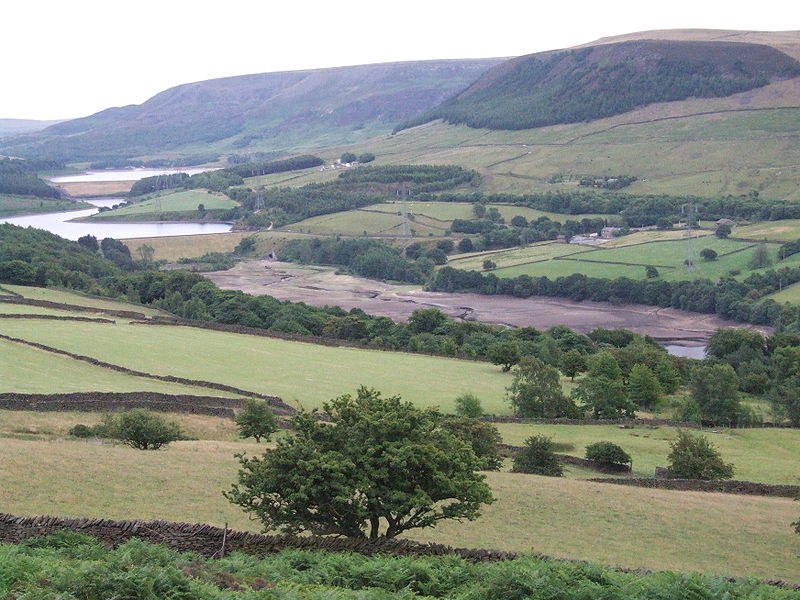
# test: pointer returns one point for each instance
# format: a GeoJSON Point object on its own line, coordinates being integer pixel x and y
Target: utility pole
{"type": "Point", "coordinates": [688, 210]}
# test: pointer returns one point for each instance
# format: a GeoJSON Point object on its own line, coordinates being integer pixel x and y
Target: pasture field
{"type": "Point", "coordinates": [184, 201]}
{"type": "Point", "coordinates": [634, 527]}
{"type": "Point", "coordinates": [447, 211]}
{"type": "Point", "coordinates": [193, 246]}
{"type": "Point", "coordinates": [535, 253]}
{"type": "Point", "coordinates": [11, 205]}
{"type": "Point", "coordinates": [766, 455]}
{"type": "Point", "coordinates": [357, 222]}
{"type": "Point", "coordinates": [560, 260]}
{"type": "Point", "coordinates": [78, 299]}
{"type": "Point", "coordinates": [786, 230]}
{"type": "Point", "coordinates": [642, 237]}
{"type": "Point", "coordinates": [302, 374]}
{"type": "Point", "coordinates": [787, 294]}
{"type": "Point", "coordinates": [27, 370]}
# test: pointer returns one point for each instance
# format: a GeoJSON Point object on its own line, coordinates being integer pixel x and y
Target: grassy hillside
{"type": "Point", "coordinates": [636, 527]}
{"type": "Point", "coordinates": [610, 79]}
{"type": "Point", "coordinates": [184, 201]}
{"type": "Point", "coordinates": [301, 373]}
{"type": "Point", "coordinates": [11, 205]}
{"type": "Point", "coordinates": [264, 112]}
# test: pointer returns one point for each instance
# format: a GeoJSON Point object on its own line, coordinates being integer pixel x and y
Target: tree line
{"type": "Point", "coordinates": [731, 299]}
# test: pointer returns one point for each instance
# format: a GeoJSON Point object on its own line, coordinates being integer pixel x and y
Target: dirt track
{"type": "Point", "coordinates": [320, 286]}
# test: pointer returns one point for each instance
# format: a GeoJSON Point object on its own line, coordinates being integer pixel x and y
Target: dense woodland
{"type": "Point", "coordinates": [602, 81]}
{"type": "Point", "coordinates": [21, 177]}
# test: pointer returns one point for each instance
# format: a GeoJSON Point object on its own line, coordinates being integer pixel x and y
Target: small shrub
{"type": "Point", "coordinates": [469, 406]}
{"type": "Point", "coordinates": [537, 458]}
{"type": "Point", "coordinates": [607, 454]}
{"type": "Point", "coordinates": [708, 254]}
{"type": "Point", "coordinates": [81, 431]}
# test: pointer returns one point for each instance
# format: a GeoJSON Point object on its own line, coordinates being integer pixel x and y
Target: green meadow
{"type": "Point", "coordinates": [184, 201]}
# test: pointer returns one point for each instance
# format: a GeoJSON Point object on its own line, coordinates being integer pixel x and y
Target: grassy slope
{"type": "Point", "coordinates": [78, 299]}
{"type": "Point", "coordinates": [712, 533]}
{"type": "Point", "coordinates": [184, 201]}
{"type": "Point", "coordinates": [302, 374]}
{"type": "Point", "coordinates": [27, 370]}
{"type": "Point", "coordinates": [706, 147]}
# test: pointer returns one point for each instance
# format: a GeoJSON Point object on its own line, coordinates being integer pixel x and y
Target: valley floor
{"type": "Point", "coordinates": [321, 286]}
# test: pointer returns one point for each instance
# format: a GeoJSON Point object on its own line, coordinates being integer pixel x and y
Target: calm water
{"type": "Point", "coordinates": [59, 223]}
{"type": "Point", "coordinates": [698, 352]}
{"type": "Point", "coordinates": [122, 175]}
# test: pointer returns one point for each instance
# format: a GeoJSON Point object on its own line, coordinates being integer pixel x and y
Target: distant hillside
{"type": "Point", "coordinates": [598, 81]}
{"type": "Point", "coordinates": [17, 126]}
{"type": "Point", "coordinates": [266, 112]}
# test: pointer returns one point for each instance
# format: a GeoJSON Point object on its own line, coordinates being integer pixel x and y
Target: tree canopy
{"type": "Point", "coordinates": [378, 467]}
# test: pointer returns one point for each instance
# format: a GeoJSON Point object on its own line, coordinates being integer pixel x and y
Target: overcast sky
{"type": "Point", "coordinates": [70, 59]}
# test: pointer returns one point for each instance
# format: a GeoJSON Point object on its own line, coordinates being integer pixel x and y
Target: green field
{"type": "Point", "coordinates": [559, 260]}
{"type": "Point", "coordinates": [372, 221]}
{"type": "Point", "coordinates": [11, 205]}
{"type": "Point", "coordinates": [30, 371]}
{"type": "Point", "coordinates": [78, 299]}
{"type": "Point", "coordinates": [302, 374]}
{"type": "Point", "coordinates": [184, 201]}
{"type": "Point", "coordinates": [765, 455]}
{"type": "Point", "coordinates": [447, 211]}
{"type": "Point", "coordinates": [635, 527]}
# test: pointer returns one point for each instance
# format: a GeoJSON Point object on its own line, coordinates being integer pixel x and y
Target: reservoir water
{"type": "Point", "coordinates": [698, 352]}
{"type": "Point", "coordinates": [122, 174]}
{"type": "Point", "coordinates": [60, 224]}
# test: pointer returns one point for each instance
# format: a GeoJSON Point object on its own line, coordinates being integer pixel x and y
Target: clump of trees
{"type": "Point", "coordinates": [536, 392]}
{"type": "Point", "coordinates": [378, 467]}
{"type": "Point", "coordinates": [695, 457]}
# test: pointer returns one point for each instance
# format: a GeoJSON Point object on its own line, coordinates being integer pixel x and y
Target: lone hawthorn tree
{"type": "Point", "coordinates": [256, 420]}
{"type": "Point", "coordinates": [379, 467]}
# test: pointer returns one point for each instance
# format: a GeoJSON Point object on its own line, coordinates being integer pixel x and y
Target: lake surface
{"type": "Point", "coordinates": [698, 352]}
{"type": "Point", "coordinates": [123, 174]}
{"type": "Point", "coordinates": [59, 223]}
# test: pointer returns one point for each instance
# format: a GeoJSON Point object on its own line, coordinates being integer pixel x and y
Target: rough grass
{"type": "Point", "coordinates": [89, 189]}
{"type": "Point", "coordinates": [707, 155]}
{"type": "Point", "coordinates": [301, 373]}
{"type": "Point", "coordinates": [192, 246]}
{"type": "Point", "coordinates": [184, 201]}
{"type": "Point", "coordinates": [55, 425]}
{"type": "Point", "coordinates": [635, 527]}
{"type": "Point", "coordinates": [764, 455]}
{"type": "Point", "coordinates": [786, 230]}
